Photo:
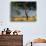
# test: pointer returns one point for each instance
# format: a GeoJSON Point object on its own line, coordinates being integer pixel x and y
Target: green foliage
{"type": "Point", "coordinates": [27, 4]}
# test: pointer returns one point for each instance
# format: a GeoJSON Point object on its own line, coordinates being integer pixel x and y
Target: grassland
{"type": "Point", "coordinates": [24, 19]}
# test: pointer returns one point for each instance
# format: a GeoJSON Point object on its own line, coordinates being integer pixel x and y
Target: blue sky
{"type": "Point", "coordinates": [31, 30]}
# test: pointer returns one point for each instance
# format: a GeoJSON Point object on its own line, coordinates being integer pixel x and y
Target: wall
{"type": "Point", "coordinates": [39, 44]}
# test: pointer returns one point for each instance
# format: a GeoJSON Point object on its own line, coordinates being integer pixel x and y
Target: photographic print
{"type": "Point", "coordinates": [23, 11]}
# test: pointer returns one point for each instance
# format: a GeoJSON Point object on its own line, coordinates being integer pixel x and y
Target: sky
{"type": "Point", "coordinates": [22, 13]}
{"type": "Point", "coordinates": [31, 30]}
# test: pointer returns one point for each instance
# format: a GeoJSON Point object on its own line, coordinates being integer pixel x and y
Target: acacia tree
{"type": "Point", "coordinates": [25, 7]}
{"type": "Point", "coordinates": [29, 6]}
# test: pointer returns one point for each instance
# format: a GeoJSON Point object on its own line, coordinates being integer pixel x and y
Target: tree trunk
{"type": "Point", "coordinates": [26, 13]}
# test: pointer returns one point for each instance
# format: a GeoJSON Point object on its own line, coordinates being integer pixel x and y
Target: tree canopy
{"type": "Point", "coordinates": [28, 5]}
